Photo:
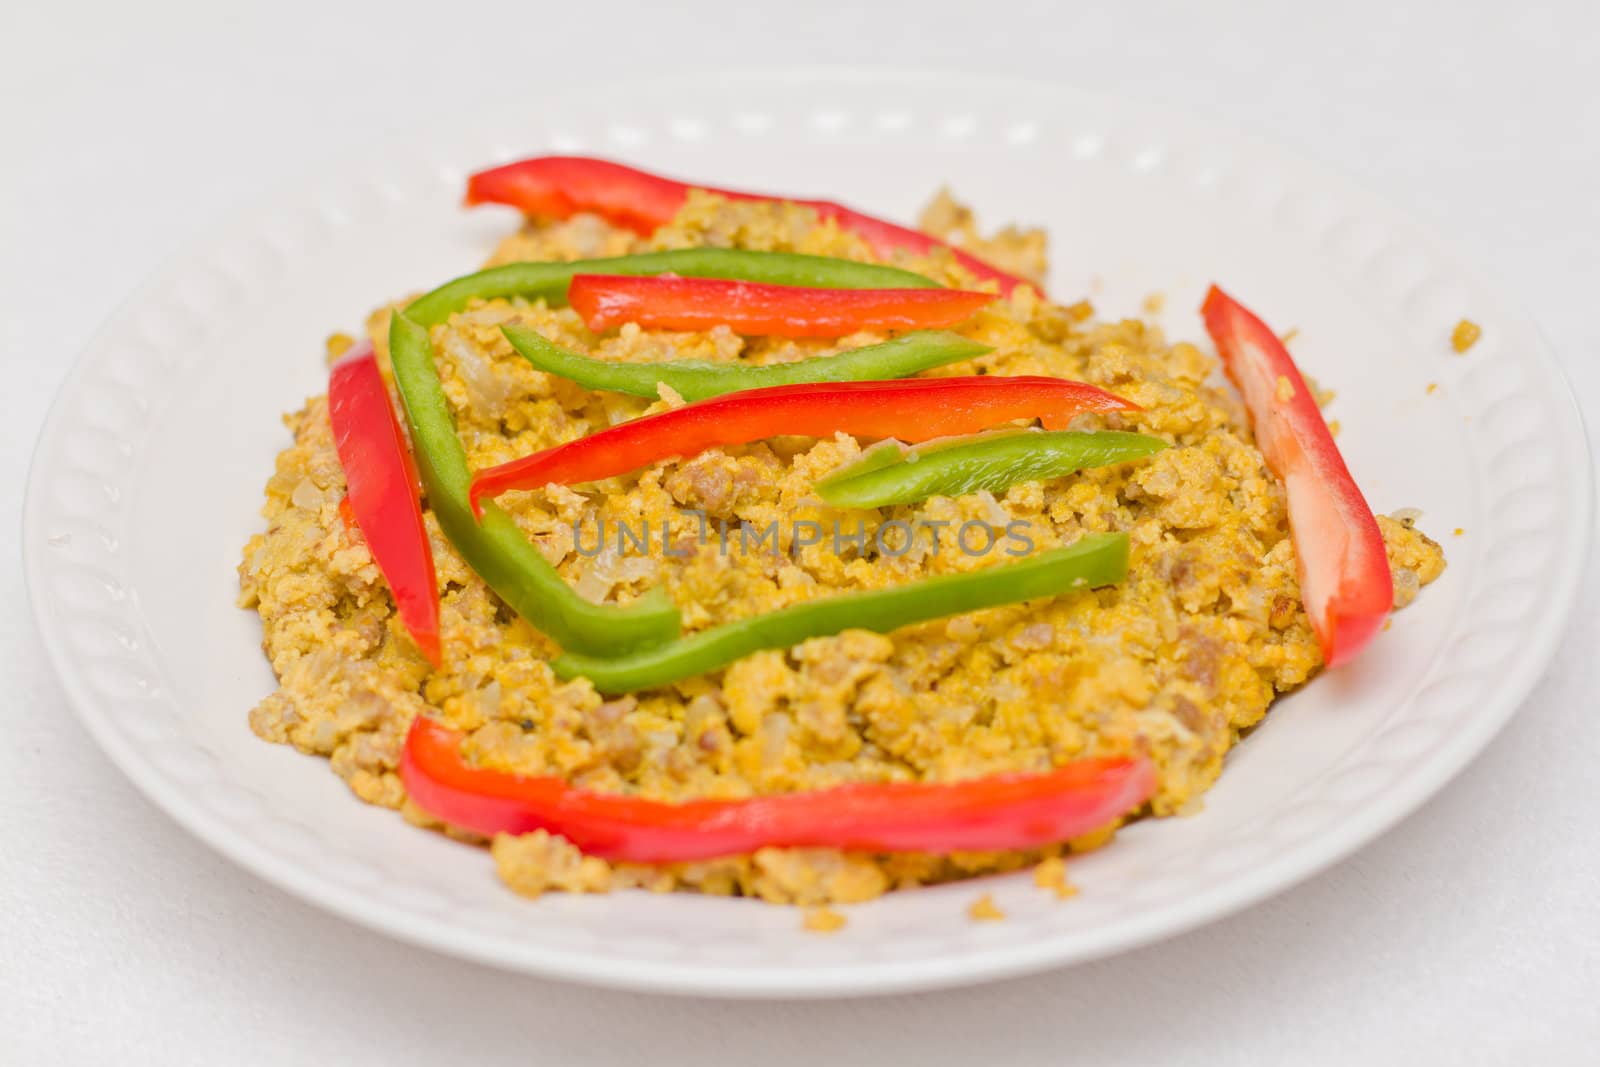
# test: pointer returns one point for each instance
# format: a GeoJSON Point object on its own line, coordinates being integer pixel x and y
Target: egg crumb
{"type": "Point", "coordinates": [338, 344]}
{"type": "Point", "coordinates": [1051, 874]}
{"type": "Point", "coordinates": [1433, 387]}
{"type": "Point", "coordinates": [1465, 335]}
{"type": "Point", "coordinates": [984, 909]}
{"type": "Point", "coordinates": [536, 863]}
{"type": "Point", "coordinates": [1154, 303]}
{"type": "Point", "coordinates": [823, 921]}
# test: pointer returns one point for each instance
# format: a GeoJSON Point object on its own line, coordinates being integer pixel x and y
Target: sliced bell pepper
{"type": "Point", "coordinates": [550, 281]}
{"type": "Point", "coordinates": [1092, 561]}
{"type": "Point", "coordinates": [1345, 582]}
{"type": "Point", "coordinates": [661, 302]}
{"type": "Point", "coordinates": [381, 495]}
{"type": "Point", "coordinates": [914, 409]}
{"type": "Point", "coordinates": [1000, 812]}
{"type": "Point", "coordinates": [890, 474]}
{"type": "Point", "coordinates": [699, 379]}
{"type": "Point", "coordinates": [495, 547]}
{"type": "Point", "coordinates": [561, 186]}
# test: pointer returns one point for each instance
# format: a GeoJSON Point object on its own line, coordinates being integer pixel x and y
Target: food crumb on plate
{"type": "Point", "coordinates": [1415, 559]}
{"type": "Point", "coordinates": [1459, 531]}
{"type": "Point", "coordinates": [1465, 335]}
{"type": "Point", "coordinates": [1154, 303]}
{"type": "Point", "coordinates": [823, 920]}
{"type": "Point", "coordinates": [1289, 335]}
{"type": "Point", "coordinates": [1051, 874]}
{"type": "Point", "coordinates": [337, 345]}
{"type": "Point", "coordinates": [1433, 387]}
{"type": "Point", "coordinates": [533, 864]}
{"type": "Point", "coordinates": [984, 909]}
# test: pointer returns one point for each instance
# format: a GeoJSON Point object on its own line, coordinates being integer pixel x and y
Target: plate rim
{"type": "Point", "coordinates": [978, 963]}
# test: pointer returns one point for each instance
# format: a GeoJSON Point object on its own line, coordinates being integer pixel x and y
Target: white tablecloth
{"type": "Point", "coordinates": [1470, 934]}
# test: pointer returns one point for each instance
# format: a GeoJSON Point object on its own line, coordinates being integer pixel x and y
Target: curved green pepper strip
{"type": "Point", "coordinates": [496, 548]}
{"type": "Point", "coordinates": [695, 379]}
{"type": "Point", "coordinates": [1093, 560]}
{"type": "Point", "coordinates": [549, 281]}
{"type": "Point", "coordinates": [892, 474]}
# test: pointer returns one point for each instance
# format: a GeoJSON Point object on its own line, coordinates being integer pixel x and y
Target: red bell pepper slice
{"type": "Point", "coordinates": [666, 302]}
{"type": "Point", "coordinates": [561, 186]}
{"type": "Point", "coordinates": [910, 409]}
{"type": "Point", "coordinates": [382, 492]}
{"type": "Point", "coordinates": [1345, 581]}
{"type": "Point", "coordinates": [1002, 812]}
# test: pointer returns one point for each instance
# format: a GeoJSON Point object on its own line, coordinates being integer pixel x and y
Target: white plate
{"type": "Point", "coordinates": [148, 477]}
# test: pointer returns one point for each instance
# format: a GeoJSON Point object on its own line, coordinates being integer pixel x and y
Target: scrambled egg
{"type": "Point", "coordinates": [1172, 665]}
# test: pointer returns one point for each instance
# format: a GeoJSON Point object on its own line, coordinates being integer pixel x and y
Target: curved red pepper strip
{"type": "Point", "coordinates": [1003, 812]}
{"type": "Point", "coordinates": [561, 186]}
{"type": "Point", "coordinates": [1345, 581]}
{"type": "Point", "coordinates": [909, 409]}
{"type": "Point", "coordinates": [382, 495]}
{"type": "Point", "coordinates": [666, 302]}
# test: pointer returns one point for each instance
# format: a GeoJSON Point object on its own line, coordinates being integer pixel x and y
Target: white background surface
{"type": "Point", "coordinates": [1471, 934]}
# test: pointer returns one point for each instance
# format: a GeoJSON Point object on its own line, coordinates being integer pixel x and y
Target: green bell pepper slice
{"type": "Point", "coordinates": [695, 379]}
{"type": "Point", "coordinates": [890, 473]}
{"type": "Point", "coordinates": [1093, 560]}
{"type": "Point", "coordinates": [496, 547]}
{"type": "Point", "coordinates": [549, 281]}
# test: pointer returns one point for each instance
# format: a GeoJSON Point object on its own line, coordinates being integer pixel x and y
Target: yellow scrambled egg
{"type": "Point", "coordinates": [1190, 650]}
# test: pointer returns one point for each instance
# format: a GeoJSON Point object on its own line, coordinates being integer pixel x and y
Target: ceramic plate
{"type": "Point", "coordinates": [148, 478]}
